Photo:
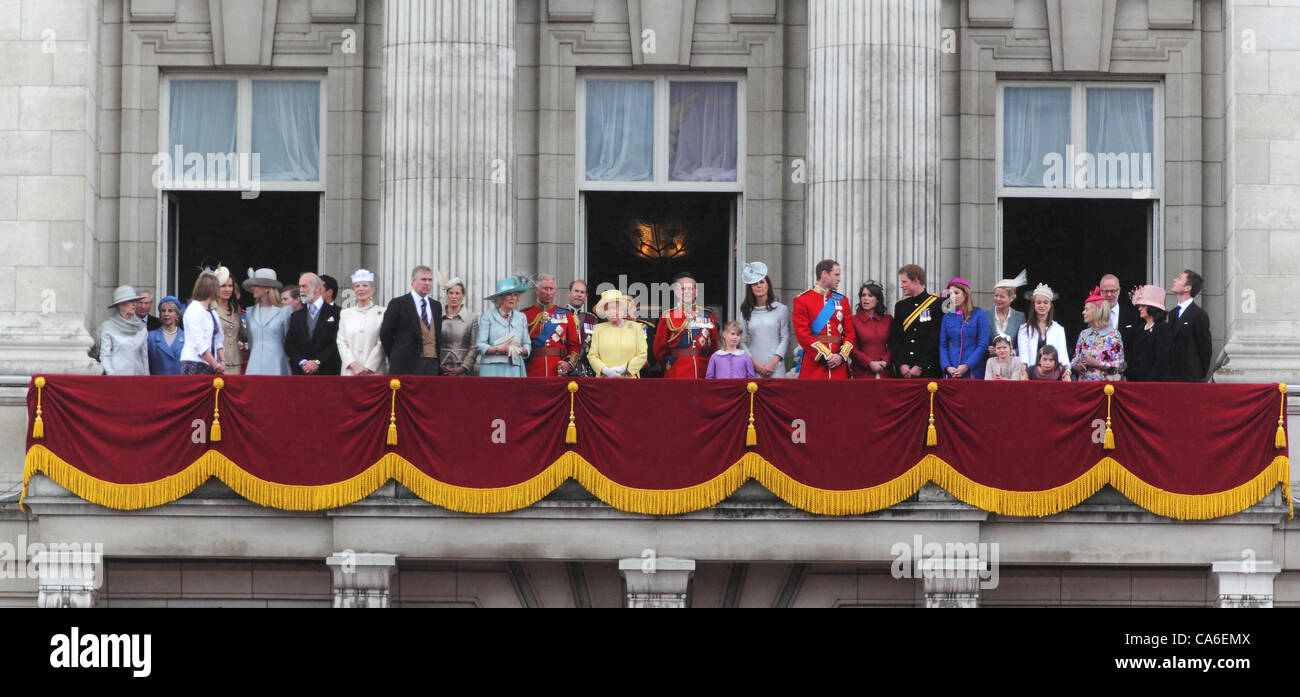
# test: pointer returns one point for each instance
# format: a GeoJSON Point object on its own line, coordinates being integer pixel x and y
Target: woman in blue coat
{"type": "Point", "coordinates": [963, 334]}
{"type": "Point", "coordinates": [167, 342]}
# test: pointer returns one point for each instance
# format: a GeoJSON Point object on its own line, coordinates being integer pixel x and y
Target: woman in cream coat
{"type": "Point", "coordinates": [360, 351]}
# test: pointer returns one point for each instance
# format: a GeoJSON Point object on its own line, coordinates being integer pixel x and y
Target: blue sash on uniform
{"type": "Point", "coordinates": [548, 330]}
{"type": "Point", "coordinates": [828, 310]}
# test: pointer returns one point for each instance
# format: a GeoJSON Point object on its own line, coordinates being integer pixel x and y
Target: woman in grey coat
{"type": "Point", "coordinates": [766, 323]}
{"type": "Point", "coordinates": [123, 338]}
{"type": "Point", "coordinates": [1003, 320]}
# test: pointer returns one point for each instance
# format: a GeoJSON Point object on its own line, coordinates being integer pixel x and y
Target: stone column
{"type": "Point", "coordinates": [657, 581]}
{"type": "Point", "coordinates": [449, 142]}
{"type": "Point", "coordinates": [873, 137]}
{"type": "Point", "coordinates": [49, 180]}
{"type": "Point", "coordinates": [361, 580]}
{"type": "Point", "coordinates": [69, 576]}
{"type": "Point", "coordinates": [952, 582]}
{"type": "Point", "coordinates": [1260, 264]}
{"type": "Point", "coordinates": [1245, 583]}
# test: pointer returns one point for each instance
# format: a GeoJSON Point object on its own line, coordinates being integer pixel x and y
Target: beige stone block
{"type": "Point", "coordinates": [1248, 162]}
{"type": "Point", "coordinates": [1284, 251]}
{"type": "Point", "coordinates": [8, 108]}
{"type": "Point", "coordinates": [1024, 587]}
{"type": "Point", "coordinates": [1284, 162]}
{"type": "Point", "coordinates": [8, 198]}
{"type": "Point", "coordinates": [24, 243]}
{"type": "Point", "coordinates": [1259, 206]}
{"type": "Point", "coordinates": [24, 153]}
{"type": "Point", "coordinates": [1274, 27]}
{"type": "Point", "coordinates": [68, 153]}
{"type": "Point", "coordinates": [51, 198]}
{"type": "Point", "coordinates": [1250, 72]}
{"type": "Point", "coordinates": [151, 580]}
{"type": "Point", "coordinates": [24, 63]}
{"type": "Point", "coordinates": [1266, 117]}
{"type": "Point", "coordinates": [10, 19]}
{"type": "Point", "coordinates": [67, 243]}
{"type": "Point", "coordinates": [1169, 587]}
{"type": "Point", "coordinates": [52, 109]}
{"type": "Point", "coordinates": [216, 578]}
{"type": "Point", "coordinates": [1096, 586]}
{"type": "Point", "coordinates": [34, 284]}
{"type": "Point", "coordinates": [68, 19]}
{"type": "Point", "coordinates": [292, 580]}
{"type": "Point", "coordinates": [71, 63]}
{"type": "Point", "coordinates": [8, 276]}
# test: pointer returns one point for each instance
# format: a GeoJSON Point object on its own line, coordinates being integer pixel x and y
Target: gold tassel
{"type": "Point", "coordinates": [1109, 443]}
{"type": "Point", "coordinates": [393, 385]}
{"type": "Point", "coordinates": [751, 434]}
{"type": "Point", "coordinates": [571, 433]}
{"type": "Point", "coordinates": [931, 433]}
{"type": "Point", "coordinates": [38, 424]}
{"type": "Point", "coordinates": [1279, 441]}
{"type": "Point", "coordinates": [215, 436]}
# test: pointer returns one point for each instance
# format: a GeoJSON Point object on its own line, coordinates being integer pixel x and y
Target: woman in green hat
{"type": "Point", "coordinates": [503, 340]}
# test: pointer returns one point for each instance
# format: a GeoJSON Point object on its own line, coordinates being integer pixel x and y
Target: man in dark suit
{"type": "Point", "coordinates": [1189, 355]}
{"type": "Point", "coordinates": [1123, 317]}
{"type": "Point", "coordinates": [914, 332]}
{"type": "Point", "coordinates": [411, 327]}
{"type": "Point", "coordinates": [143, 310]}
{"type": "Point", "coordinates": [312, 341]}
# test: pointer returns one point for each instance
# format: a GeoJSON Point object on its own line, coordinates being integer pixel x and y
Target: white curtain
{"type": "Point", "coordinates": [286, 129]}
{"type": "Point", "coordinates": [1121, 122]}
{"type": "Point", "coordinates": [620, 130]}
{"type": "Point", "coordinates": [1035, 122]}
{"type": "Point", "coordinates": [702, 131]}
{"type": "Point", "coordinates": [203, 120]}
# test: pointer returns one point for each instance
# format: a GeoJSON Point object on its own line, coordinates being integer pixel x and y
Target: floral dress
{"type": "Point", "coordinates": [1104, 345]}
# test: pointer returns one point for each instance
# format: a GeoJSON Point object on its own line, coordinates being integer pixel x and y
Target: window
{"type": "Point", "coordinates": [660, 133]}
{"type": "Point", "coordinates": [262, 131]}
{"type": "Point", "coordinates": [1069, 139]}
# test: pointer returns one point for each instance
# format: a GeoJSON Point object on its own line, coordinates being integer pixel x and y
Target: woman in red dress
{"type": "Point", "coordinates": [870, 356]}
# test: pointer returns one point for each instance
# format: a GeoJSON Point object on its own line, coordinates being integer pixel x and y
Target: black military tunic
{"type": "Point", "coordinates": [914, 333]}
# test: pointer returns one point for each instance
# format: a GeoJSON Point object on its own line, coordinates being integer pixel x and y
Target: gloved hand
{"type": "Point", "coordinates": [610, 372]}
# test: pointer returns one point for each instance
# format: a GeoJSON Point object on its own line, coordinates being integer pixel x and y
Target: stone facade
{"type": "Point", "coordinates": [832, 89]}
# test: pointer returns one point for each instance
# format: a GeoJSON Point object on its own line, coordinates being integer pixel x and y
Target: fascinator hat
{"type": "Point", "coordinates": [363, 276]}
{"type": "Point", "coordinates": [265, 278]}
{"type": "Point", "coordinates": [1013, 283]}
{"type": "Point", "coordinates": [1044, 291]}
{"type": "Point", "coordinates": [513, 284]}
{"type": "Point", "coordinates": [755, 271]}
{"type": "Point", "coordinates": [1151, 296]}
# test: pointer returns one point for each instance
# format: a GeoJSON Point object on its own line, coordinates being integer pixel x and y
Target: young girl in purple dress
{"type": "Point", "coordinates": [731, 362]}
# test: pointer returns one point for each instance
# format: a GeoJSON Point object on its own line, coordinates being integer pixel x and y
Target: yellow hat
{"type": "Point", "coordinates": [611, 296]}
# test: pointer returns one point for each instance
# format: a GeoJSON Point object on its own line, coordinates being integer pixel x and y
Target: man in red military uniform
{"type": "Point", "coordinates": [686, 335]}
{"type": "Point", "coordinates": [823, 325]}
{"type": "Point", "coordinates": [556, 339]}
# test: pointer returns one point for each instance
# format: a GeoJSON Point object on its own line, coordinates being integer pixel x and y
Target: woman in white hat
{"type": "Point", "coordinates": [358, 340]}
{"type": "Point", "coordinates": [1148, 357]}
{"type": "Point", "coordinates": [618, 347]}
{"type": "Point", "coordinates": [503, 340]}
{"type": "Point", "coordinates": [268, 322]}
{"type": "Point", "coordinates": [1041, 329]}
{"type": "Point", "coordinates": [1003, 319]}
{"type": "Point", "coordinates": [232, 321]}
{"type": "Point", "coordinates": [766, 322]}
{"type": "Point", "coordinates": [123, 338]}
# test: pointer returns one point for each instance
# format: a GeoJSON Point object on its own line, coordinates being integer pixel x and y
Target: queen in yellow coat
{"type": "Point", "coordinates": [618, 347]}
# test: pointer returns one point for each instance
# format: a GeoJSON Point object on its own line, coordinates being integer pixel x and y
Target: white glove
{"type": "Point", "coordinates": [610, 372]}
{"type": "Point", "coordinates": [622, 369]}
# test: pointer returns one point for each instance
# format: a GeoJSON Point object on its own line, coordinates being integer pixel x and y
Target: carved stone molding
{"type": "Point", "coordinates": [243, 31]}
{"type": "Point", "coordinates": [1081, 32]}
{"type": "Point", "coordinates": [673, 25]}
{"type": "Point", "coordinates": [333, 10]}
{"type": "Point", "coordinates": [153, 10]}
{"type": "Point", "coordinates": [570, 10]}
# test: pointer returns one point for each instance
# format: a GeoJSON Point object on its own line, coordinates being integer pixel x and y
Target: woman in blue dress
{"type": "Point", "coordinates": [268, 322]}
{"type": "Point", "coordinates": [167, 341]}
{"type": "Point", "coordinates": [503, 341]}
{"type": "Point", "coordinates": [963, 335]}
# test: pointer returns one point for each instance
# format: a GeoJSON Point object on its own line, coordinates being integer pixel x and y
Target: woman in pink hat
{"type": "Point", "coordinates": [1148, 357]}
{"type": "Point", "coordinates": [1099, 352]}
{"type": "Point", "coordinates": [963, 335]}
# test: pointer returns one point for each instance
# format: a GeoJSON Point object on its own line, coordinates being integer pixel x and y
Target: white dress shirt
{"type": "Point", "coordinates": [200, 337]}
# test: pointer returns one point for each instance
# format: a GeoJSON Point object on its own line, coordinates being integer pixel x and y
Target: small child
{"type": "Point", "coordinates": [731, 362]}
{"type": "Point", "coordinates": [1003, 365]}
{"type": "Point", "coordinates": [1049, 366]}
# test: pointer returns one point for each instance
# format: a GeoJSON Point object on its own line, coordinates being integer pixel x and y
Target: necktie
{"type": "Point", "coordinates": [424, 311]}
{"type": "Point", "coordinates": [1178, 312]}
{"type": "Point", "coordinates": [311, 318]}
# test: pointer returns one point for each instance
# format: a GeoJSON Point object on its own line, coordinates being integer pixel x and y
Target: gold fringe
{"type": "Point", "coordinates": [38, 424]}
{"type": "Point", "coordinates": [287, 497]}
{"type": "Point", "coordinates": [1279, 440]}
{"type": "Point", "coordinates": [751, 434]}
{"type": "Point", "coordinates": [571, 433]}
{"type": "Point", "coordinates": [931, 434]}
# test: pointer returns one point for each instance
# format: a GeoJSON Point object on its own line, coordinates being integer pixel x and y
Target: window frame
{"type": "Point", "coordinates": [244, 125]}
{"type": "Point", "coordinates": [1079, 135]}
{"type": "Point", "coordinates": [659, 181]}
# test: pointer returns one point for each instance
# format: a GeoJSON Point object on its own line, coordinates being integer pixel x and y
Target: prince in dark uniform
{"type": "Point", "coordinates": [914, 332]}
